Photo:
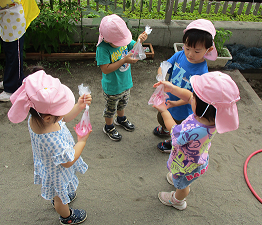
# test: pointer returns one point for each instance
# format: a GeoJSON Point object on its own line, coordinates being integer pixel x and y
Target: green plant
{"type": "Point", "coordinates": [221, 37]}
{"type": "Point", "coordinates": [58, 25]}
{"type": "Point", "coordinates": [53, 27]}
{"type": "Point", "coordinates": [67, 68]}
{"type": "Point", "coordinates": [188, 15]}
{"type": "Point", "coordinates": [90, 12]}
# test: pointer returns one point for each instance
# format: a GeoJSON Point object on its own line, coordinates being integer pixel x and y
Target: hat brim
{"type": "Point", "coordinates": [21, 105]}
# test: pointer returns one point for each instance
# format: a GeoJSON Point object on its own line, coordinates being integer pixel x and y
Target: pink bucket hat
{"type": "Point", "coordinates": [113, 29]}
{"type": "Point", "coordinates": [218, 89]}
{"type": "Point", "coordinates": [42, 92]}
{"type": "Point", "coordinates": [206, 25]}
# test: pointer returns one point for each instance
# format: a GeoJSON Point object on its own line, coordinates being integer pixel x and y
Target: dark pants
{"type": "Point", "coordinates": [13, 75]}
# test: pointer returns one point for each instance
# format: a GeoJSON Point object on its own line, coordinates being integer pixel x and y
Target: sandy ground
{"type": "Point", "coordinates": [124, 178]}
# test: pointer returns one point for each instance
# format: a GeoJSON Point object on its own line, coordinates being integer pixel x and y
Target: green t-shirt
{"type": "Point", "coordinates": [119, 80]}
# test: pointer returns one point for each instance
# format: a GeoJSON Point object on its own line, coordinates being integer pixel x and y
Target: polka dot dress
{"type": "Point", "coordinates": [12, 23]}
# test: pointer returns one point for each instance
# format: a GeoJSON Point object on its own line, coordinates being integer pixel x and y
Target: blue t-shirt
{"type": "Point", "coordinates": [180, 73]}
{"type": "Point", "coordinates": [119, 80]}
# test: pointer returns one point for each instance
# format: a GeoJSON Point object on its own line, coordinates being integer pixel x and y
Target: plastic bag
{"type": "Point", "coordinates": [138, 50]}
{"type": "Point", "coordinates": [148, 29]}
{"type": "Point", "coordinates": [165, 66]}
{"type": "Point", "coordinates": [84, 126]}
{"type": "Point", "coordinates": [159, 96]}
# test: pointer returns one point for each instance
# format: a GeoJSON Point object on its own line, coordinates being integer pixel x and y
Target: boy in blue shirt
{"type": "Point", "coordinates": [198, 42]}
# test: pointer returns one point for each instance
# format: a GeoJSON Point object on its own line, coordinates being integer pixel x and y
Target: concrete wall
{"type": "Point", "coordinates": [246, 33]}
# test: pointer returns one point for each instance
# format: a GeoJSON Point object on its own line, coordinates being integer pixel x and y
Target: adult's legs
{"type": "Point", "coordinates": [13, 75]}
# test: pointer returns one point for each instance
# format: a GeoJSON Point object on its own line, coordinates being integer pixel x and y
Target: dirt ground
{"type": "Point", "coordinates": [68, 67]}
{"type": "Point", "coordinates": [256, 84]}
{"type": "Point", "coordinates": [124, 178]}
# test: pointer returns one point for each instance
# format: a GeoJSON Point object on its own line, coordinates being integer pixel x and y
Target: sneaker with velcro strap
{"type": "Point", "coordinates": [165, 147]}
{"type": "Point", "coordinates": [159, 131]}
{"type": "Point", "coordinates": [125, 124]}
{"type": "Point", "coordinates": [112, 134]}
{"type": "Point", "coordinates": [77, 216]}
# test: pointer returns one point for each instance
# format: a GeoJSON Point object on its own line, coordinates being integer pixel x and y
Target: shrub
{"type": "Point", "coordinates": [53, 27]}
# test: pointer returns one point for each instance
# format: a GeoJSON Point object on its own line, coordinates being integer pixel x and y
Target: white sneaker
{"type": "Point", "coordinates": [1, 85]}
{"type": "Point", "coordinates": [168, 198]}
{"type": "Point", "coordinates": [5, 97]}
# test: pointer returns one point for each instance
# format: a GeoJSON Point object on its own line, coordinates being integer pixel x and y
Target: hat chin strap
{"type": "Point", "coordinates": [204, 111]}
{"type": "Point", "coordinates": [39, 115]}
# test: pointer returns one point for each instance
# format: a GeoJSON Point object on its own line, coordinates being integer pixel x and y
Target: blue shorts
{"type": "Point", "coordinates": [181, 182]}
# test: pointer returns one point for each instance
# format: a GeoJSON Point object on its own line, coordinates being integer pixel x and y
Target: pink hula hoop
{"type": "Point", "coordinates": [246, 177]}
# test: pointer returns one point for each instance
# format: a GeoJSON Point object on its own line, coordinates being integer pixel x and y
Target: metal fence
{"type": "Point", "coordinates": [172, 6]}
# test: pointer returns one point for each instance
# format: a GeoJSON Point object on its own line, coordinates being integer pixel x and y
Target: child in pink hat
{"type": "Point", "coordinates": [213, 102]}
{"type": "Point", "coordinates": [198, 42]}
{"type": "Point", "coordinates": [56, 156]}
{"type": "Point", "coordinates": [114, 43]}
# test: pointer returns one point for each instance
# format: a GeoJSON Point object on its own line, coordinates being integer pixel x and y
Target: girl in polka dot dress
{"type": "Point", "coordinates": [56, 155]}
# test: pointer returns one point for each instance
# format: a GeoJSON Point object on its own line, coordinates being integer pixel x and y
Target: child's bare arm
{"type": "Point", "coordinates": [78, 107]}
{"type": "Point", "coordinates": [79, 147]}
{"type": "Point", "coordinates": [171, 104]}
{"type": "Point", "coordinates": [168, 120]}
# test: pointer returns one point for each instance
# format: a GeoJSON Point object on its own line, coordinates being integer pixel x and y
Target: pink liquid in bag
{"type": "Point", "coordinates": [84, 126]}
{"type": "Point", "coordinates": [159, 96]}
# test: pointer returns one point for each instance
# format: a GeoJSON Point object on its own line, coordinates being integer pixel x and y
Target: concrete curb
{"type": "Point", "coordinates": [248, 34]}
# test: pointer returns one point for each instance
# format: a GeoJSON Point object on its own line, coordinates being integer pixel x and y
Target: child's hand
{"type": "Point", "coordinates": [142, 37]}
{"type": "Point", "coordinates": [82, 138]}
{"type": "Point", "coordinates": [129, 59]}
{"type": "Point", "coordinates": [161, 108]}
{"type": "Point", "coordinates": [167, 85]}
{"type": "Point", "coordinates": [84, 100]}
